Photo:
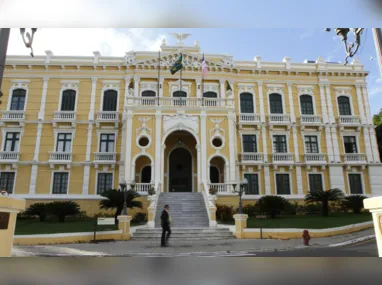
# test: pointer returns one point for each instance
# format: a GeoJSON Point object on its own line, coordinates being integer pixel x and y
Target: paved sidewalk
{"type": "Point", "coordinates": [229, 247]}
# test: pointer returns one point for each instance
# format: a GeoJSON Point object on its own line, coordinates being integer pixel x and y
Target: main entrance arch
{"type": "Point", "coordinates": [180, 174]}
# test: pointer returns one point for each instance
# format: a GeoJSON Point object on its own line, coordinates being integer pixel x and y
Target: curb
{"type": "Point", "coordinates": [353, 241]}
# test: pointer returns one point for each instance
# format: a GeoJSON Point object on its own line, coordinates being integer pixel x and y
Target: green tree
{"type": "Point", "coordinates": [323, 197]}
{"type": "Point", "coordinates": [115, 200]}
{"type": "Point", "coordinates": [354, 202]}
{"type": "Point", "coordinates": [377, 120]}
{"type": "Point", "coordinates": [61, 209]}
{"type": "Point", "coordinates": [37, 209]}
{"type": "Point", "coordinates": [272, 205]}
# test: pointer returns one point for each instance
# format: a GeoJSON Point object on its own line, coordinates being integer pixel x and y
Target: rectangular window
{"type": "Point", "coordinates": [12, 141]}
{"type": "Point", "coordinates": [18, 100]}
{"type": "Point", "coordinates": [60, 183]}
{"type": "Point", "coordinates": [253, 184]}
{"type": "Point", "coordinates": [107, 143]}
{"type": "Point", "coordinates": [282, 184]}
{"type": "Point", "coordinates": [355, 184]}
{"type": "Point", "coordinates": [315, 182]}
{"type": "Point", "coordinates": [311, 144]}
{"type": "Point", "coordinates": [279, 143]}
{"type": "Point", "coordinates": [104, 182]}
{"type": "Point", "coordinates": [249, 143]}
{"type": "Point", "coordinates": [64, 142]}
{"type": "Point", "coordinates": [350, 145]}
{"type": "Point", "coordinates": [7, 180]}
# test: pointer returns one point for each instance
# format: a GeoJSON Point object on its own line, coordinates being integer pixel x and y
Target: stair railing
{"type": "Point", "coordinates": [209, 201]}
{"type": "Point", "coordinates": [153, 200]}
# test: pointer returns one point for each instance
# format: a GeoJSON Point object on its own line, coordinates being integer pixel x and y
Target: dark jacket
{"type": "Point", "coordinates": [165, 219]}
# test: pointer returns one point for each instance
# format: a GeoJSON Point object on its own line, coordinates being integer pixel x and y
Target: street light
{"type": "Point", "coordinates": [343, 34]}
{"type": "Point", "coordinates": [123, 188]}
{"type": "Point", "coordinates": [28, 43]}
{"type": "Point", "coordinates": [242, 188]}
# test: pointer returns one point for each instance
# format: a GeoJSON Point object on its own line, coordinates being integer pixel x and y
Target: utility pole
{"type": "Point", "coordinates": [4, 37]}
{"type": "Point", "coordinates": [377, 33]}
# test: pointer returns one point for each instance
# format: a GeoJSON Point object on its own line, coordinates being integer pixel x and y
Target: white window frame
{"type": "Point", "coordinates": [251, 196]}
{"type": "Point", "coordinates": [52, 180]}
{"type": "Point", "coordinates": [148, 86]}
{"type": "Point", "coordinates": [107, 131]}
{"type": "Point", "coordinates": [278, 133]}
{"type": "Point", "coordinates": [322, 179]}
{"type": "Point", "coordinates": [211, 87]}
{"type": "Point", "coordinates": [110, 85]}
{"type": "Point", "coordinates": [96, 179]}
{"type": "Point", "coordinates": [344, 91]}
{"type": "Point", "coordinates": [14, 182]}
{"type": "Point", "coordinates": [290, 183]}
{"type": "Point", "coordinates": [308, 93]}
{"type": "Point", "coordinates": [68, 85]}
{"type": "Point", "coordinates": [254, 133]}
{"type": "Point", "coordinates": [362, 182]}
{"type": "Point", "coordinates": [308, 133]}
{"type": "Point", "coordinates": [175, 86]}
{"type": "Point", "coordinates": [278, 89]}
{"type": "Point", "coordinates": [63, 131]}
{"type": "Point", "coordinates": [18, 84]}
{"type": "Point", "coordinates": [247, 88]}
{"type": "Point", "coordinates": [11, 130]}
{"type": "Point", "coordinates": [350, 134]}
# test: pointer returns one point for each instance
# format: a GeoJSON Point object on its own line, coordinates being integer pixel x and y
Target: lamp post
{"type": "Point", "coordinates": [123, 188]}
{"type": "Point", "coordinates": [242, 187]}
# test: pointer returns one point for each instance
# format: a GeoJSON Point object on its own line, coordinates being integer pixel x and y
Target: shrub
{"type": "Point", "coordinates": [151, 191]}
{"type": "Point", "coordinates": [272, 205]}
{"type": "Point", "coordinates": [61, 209]}
{"type": "Point", "coordinates": [224, 213]}
{"type": "Point", "coordinates": [139, 218]}
{"type": "Point", "coordinates": [37, 209]}
{"type": "Point", "coordinates": [354, 203]}
{"type": "Point", "coordinates": [213, 191]}
{"type": "Point", "coordinates": [313, 209]}
{"type": "Point", "coordinates": [251, 210]}
{"type": "Point", "coordinates": [324, 197]}
{"type": "Point", "coordinates": [290, 208]}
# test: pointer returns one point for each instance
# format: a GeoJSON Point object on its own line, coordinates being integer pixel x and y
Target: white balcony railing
{"type": "Point", "coordinates": [13, 115]}
{"type": "Point", "coordinates": [182, 101]}
{"type": "Point", "coordinates": [220, 187]}
{"type": "Point", "coordinates": [355, 157]}
{"type": "Point", "coordinates": [315, 158]}
{"type": "Point", "coordinates": [143, 188]}
{"type": "Point", "coordinates": [350, 120]}
{"type": "Point", "coordinates": [282, 157]}
{"type": "Point", "coordinates": [64, 116]}
{"type": "Point", "coordinates": [60, 156]}
{"type": "Point", "coordinates": [310, 119]}
{"type": "Point", "coordinates": [105, 156]}
{"type": "Point", "coordinates": [279, 118]}
{"type": "Point", "coordinates": [249, 118]}
{"type": "Point", "coordinates": [9, 156]}
{"type": "Point", "coordinates": [107, 116]}
{"type": "Point", "coordinates": [252, 157]}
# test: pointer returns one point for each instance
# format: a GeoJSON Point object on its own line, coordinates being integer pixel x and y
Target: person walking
{"type": "Point", "coordinates": [165, 222]}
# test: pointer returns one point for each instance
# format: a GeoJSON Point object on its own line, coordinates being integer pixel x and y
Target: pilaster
{"type": "Point", "coordinates": [299, 181]}
{"type": "Point", "coordinates": [367, 106]}
{"type": "Point", "coordinates": [161, 80]}
{"type": "Point", "coordinates": [374, 145]}
{"type": "Point", "coordinates": [360, 104]}
{"type": "Point", "coordinates": [330, 106]}
{"type": "Point", "coordinates": [92, 98]}
{"type": "Point", "coordinates": [261, 100]}
{"type": "Point", "coordinates": [136, 85]}
{"type": "Point", "coordinates": [295, 144]}
{"type": "Point", "coordinates": [203, 133]}
{"type": "Point", "coordinates": [158, 139]}
{"type": "Point", "coordinates": [368, 148]}
{"type": "Point", "coordinates": [129, 131]}
{"type": "Point", "coordinates": [41, 113]}
{"type": "Point", "coordinates": [222, 90]}
{"type": "Point", "coordinates": [291, 105]}
{"type": "Point", "coordinates": [123, 150]}
{"type": "Point", "coordinates": [85, 185]}
{"type": "Point", "coordinates": [323, 104]}
{"type": "Point", "coordinates": [336, 150]}
{"type": "Point", "coordinates": [232, 156]}
{"type": "Point", "coordinates": [267, 180]}
{"type": "Point", "coordinates": [329, 145]}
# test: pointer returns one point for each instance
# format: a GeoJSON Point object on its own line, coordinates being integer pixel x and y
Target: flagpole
{"type": "Point", "coordinates": [158, 76]}
{"type": "Point", "coordinates": [202, 83]}
{"type": "Point", "coordinates": [181, 56]}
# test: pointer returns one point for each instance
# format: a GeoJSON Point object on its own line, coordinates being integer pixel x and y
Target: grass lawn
{"type": "Point", "coordinates": [309, 221]}
{"type": "Point", "coordinates": [71, 225]}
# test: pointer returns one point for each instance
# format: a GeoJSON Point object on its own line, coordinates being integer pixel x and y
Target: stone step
{"type": "Point", "coordinates": [184, 230]}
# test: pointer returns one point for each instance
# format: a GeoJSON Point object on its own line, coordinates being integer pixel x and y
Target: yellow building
{"type": "Point", "coordinates": [75, 126]}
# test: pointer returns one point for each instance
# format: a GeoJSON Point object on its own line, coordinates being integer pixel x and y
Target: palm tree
{"type": "Point", "coordinates": [354, 202]}
{"type": "Point", "coordinates": [323, 197]}
{"type": "Point", "coordinates": [116, 199]}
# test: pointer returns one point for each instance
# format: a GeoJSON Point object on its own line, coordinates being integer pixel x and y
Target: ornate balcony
{"type": "Point", "coordinates": [279, 119]}
{"type": "Point", "coordinates": [13, 116]}
{"type": "Point", "coordinates": [222, 188]}
{"type": "Point", "coordinates": [64, 117]}
{"type": "Point", "coordinates": [249, 119]}
{"type": "Point", "coordinates": [107, 117]}
{"type": "Point", "coordinates": [282, 158]}
{"type": "Point", "coordinates": [315, 158]}
{"type": "Point", "coordinates": [105, 158]}
{"type": "Point", "coordinates": [310, 120]}
{"type": "Point", "coordinates": [349, 120]}
{"type": "Point", "coordinates": [192, 102]}
{"type": "Point", "coordinates": [355, 158]}
{"type": "Point", "coordinates": [252, 158]}
{"type": "Point", "coordinates": [57, 157]}
{"type": "Point", "coordinates": [143, 188]}
{"type": "Point", "coordinates": [9, 156]}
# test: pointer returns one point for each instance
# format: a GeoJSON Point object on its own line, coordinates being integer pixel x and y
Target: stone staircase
{"type": "Point", "coordinates": [189, 219]}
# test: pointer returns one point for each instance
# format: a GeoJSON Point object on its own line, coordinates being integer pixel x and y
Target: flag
{"type": "Point", "coordinates": [177, 65]}
{"type": "Point", "coordinates": [204, 67]}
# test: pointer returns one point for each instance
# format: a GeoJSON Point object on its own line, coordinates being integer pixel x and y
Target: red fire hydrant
{"type": "Point", "coordinates": [306, 237]}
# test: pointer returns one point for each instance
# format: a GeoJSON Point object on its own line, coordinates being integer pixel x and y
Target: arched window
{"type": "Point", "coordinates": [344, 105]}
{"type": "Point", "coordinates": [214, 174]}
{"type": "Point", "coordinates": [246, 103]}
{"type": "Point", "coordinates": [306, 103]}
{"type": "Point", "coordinates": [179, 94]}
{"type": "Point", "coordinates": [276, 104]}
{"type": "Point", "coordinates": [110, 100]}
{"type": "Point", "coordinates": [148, 93]}
{"type": "Point", "coordinates": [146, 174]}
{"type": "Point", "coordinates": [210, 94]}
{"type": "Point", "coordinates": [68, 100]}
{"type": "Point", "coordinates": [18, 100]}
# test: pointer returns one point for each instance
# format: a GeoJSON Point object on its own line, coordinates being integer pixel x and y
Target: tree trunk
{"type": "Point", "coordinates": [325, 208]}
{"type": "Point", "coordinates": [117, 213]}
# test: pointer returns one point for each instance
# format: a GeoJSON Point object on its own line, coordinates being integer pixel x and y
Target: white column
{"type": "Point", "coordinates": [163, 148]}
{"type": "Point", "coordinates": [330, 107]}
{"type": "Point", "coordinates": [161, 80]}
{"type": "Point", "coordinates": [158, 139]}
{"type": "Point", "coordinates": [374, 145]}
{"type": "Point", "coordinates": [366, 104]}
{"type": "Point", "coordinates": [323, 104]}
{"type": "Point", "coordinates": [121, 174]}
{"type": "Point", "coordinates": [222, 90]}
{"type": "Point", "coordinates": [32, 184]}
{"type": "Point", "coordinates": [92, 98]}
{"type": "Point", "coordinates": [295, 145]}
{"type": "Point", "coordinates": [265, 147]}
{"type": "Point", "coordinates": [136, 86]}
{"type": "Point", "coordinates": [360, 104]}
{"type": "Point", "coordinates": [203, 133]}
{"type": "Point", "coordinates": [43, 98]}
{"type": "Point", "coordinates": [329, 145]}
{"type": "Point", "coordinates": [232, 157]}
{"type": "Point", "coordinates": [267, 179]}
{"type": "Point", "coordinates": [85, 185]}
{"type": "Point", "coordinates": [336, 150]}
{"type": "Point", "coordinates": [127, 82]}
{"type": "Point", "coordinates": [198, 88]}
{"type": "Point", "coordinates": [261, 98]}
{"type": "Point", "coordinates": [369, 151]}
{"type": "Point", "coordinates": [129, 131]}
{"type": "Point", "coordinates": [198, 165]}
{"type": "Point", "coordinates": [299, 181]}
{"type": "Point", "coordinates": [291, 105]}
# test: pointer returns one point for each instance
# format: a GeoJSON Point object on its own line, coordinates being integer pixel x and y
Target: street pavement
{"type": "Point", "coordinates": [228, 247]}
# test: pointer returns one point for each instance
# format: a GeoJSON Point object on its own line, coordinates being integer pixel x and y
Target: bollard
{"type": "Point", "coordinates": [306, 237]}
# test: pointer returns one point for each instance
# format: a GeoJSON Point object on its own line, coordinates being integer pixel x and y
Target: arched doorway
{"type": "Point", "coordinates": [180, 166]}
{"type": "Point", "coordinates": [146, 174]}
{"type": "Point", "coordinates": [214, 174]}
{"type": "Point", "coordinates": [218, 170]}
